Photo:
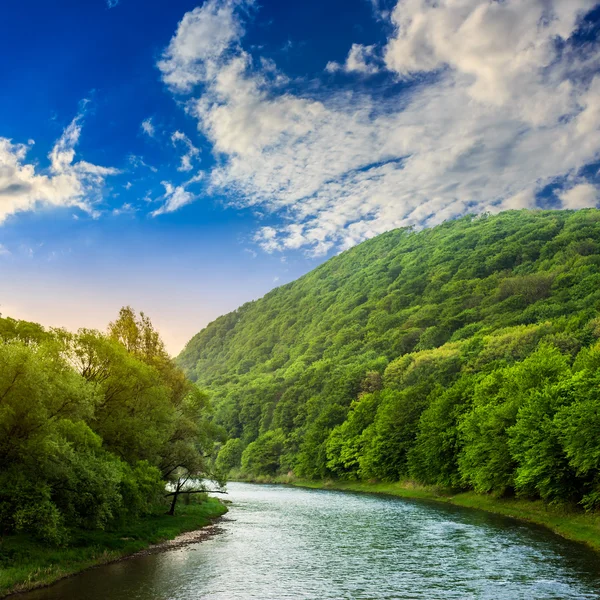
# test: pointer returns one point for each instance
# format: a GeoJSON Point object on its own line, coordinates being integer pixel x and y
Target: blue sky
{"type": "Point", "coordinates": [185, 157]}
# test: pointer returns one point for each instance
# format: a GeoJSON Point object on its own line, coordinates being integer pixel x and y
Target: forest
{"type": "Point", "coordinates": [96, 431]}
{"type": "Point", "coordinates": [465, 356]}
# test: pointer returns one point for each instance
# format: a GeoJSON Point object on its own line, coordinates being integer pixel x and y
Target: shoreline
{"type": "Point", "coordinates": [191, 529]}
{"type": "Point", "coordinates": [566, 522]}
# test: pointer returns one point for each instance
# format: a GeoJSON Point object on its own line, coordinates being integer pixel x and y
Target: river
{"type": "Point", "coordinates": [282, 542]}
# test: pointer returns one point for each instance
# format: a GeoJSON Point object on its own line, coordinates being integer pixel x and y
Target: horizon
{"type": "Point", "coordinates": [212, 151]}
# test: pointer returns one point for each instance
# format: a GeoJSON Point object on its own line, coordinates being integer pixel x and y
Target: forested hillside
{"type": "Point", "coordinates": [465, 355]}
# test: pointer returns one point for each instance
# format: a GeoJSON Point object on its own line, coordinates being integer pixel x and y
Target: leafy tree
{"type": "Point", "coordinates": [230, 456]}
{"type": "Point", "coordinates": [434, 457]}
{"type": "Point", "coordinates": [346, 442]}
{"type": "Point", "coordinates": [263, 455]}
{"type": "Point", "coordinates": [486, 461]}
{"type": "Point", "coordinates": [92, 428]}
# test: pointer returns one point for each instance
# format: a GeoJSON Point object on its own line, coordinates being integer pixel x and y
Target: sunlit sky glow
{"type": "Point", "coordinates": [185, 157]}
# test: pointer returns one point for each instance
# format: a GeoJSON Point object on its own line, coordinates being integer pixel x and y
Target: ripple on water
{"type": "Point", "coordinates": [305, 544]}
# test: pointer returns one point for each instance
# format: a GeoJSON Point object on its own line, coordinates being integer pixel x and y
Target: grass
{"type": "Point", "coordinates": [567, 521]}
{"type": "Point", "coordinates": [26, 564]}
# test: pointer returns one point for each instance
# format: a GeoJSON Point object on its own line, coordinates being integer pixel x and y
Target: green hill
{"type": "Point", "coordinates": [463, 355]}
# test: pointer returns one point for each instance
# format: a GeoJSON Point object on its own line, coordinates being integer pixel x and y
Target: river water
{"type": "Point", "coordinates": [281, 542]}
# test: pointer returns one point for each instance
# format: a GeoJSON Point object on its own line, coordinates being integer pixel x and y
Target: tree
{"type": "Point", "coordinates": [230, 456]}
{"type": "Point", "coordinates": [263, 455]}
{"type": "Point", "coordinates": [54, 473]}
{"type": "Point", "coordinates": [434, 457]}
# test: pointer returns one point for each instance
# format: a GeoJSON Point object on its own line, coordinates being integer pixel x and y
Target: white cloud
{"type": "Point", "coordinates": [523, 199]}
{"type": "Point", "coordinates": [502, 48]}
{"type": "Point", "coordinates": [125, 209]}
{"type": "Point", "coordinates": [112, 3]}
{"type": "Point", "coordinates": [24, 187]}
{"type": "Point", "coordinates": [138, 162]}
{"type": "Point", "coordinates": [192, 152]}
{"type": "Point", "coordinates": [175, 197]}
{"type": "Point", "coordinates": [506, 113]}
{"type": "Point", "coordinates": [360, 59]}
{"type": "Point", "coordinates": [148, 127]}
{"type": "Point", "coordinates": [4, 251]}
{"type": "Point", "coordinates": [583, 195]}
{"type": "Point", "coordinates": [203, 35]}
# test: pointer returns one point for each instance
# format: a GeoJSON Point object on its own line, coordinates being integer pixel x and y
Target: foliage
{"type": "Point", "coordinates": [92, 427]}
{"type": "Point", "coordinates": [229, 456]}
{"type": "Point", "coordinates": [25, 563]}
{"type": "Point", "coordinates": [462, 356]}
{"type": "Point", "coordinates": [262, 455]}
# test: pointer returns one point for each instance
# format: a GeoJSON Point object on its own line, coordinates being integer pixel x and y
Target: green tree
{"type": "Point", "coordinates": [263, 455]}
{"type": "Point", "coordinates": [230, 456]}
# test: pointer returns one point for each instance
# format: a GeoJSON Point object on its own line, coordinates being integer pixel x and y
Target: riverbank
{"type": "Point", "coordinates": [26, 564]}
{"type": "Point", "coordinates": [567, 522]}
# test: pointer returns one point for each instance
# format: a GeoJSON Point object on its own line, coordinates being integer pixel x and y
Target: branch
{"type": "Point", "coordinates": [195, 492]}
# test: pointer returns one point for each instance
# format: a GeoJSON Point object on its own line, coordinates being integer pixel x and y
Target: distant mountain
{"type": "Point", "coordinates": [420, 354]}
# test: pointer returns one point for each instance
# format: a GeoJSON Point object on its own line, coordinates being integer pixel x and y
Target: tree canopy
{"type": "Point", "coordinates": [93, 427]}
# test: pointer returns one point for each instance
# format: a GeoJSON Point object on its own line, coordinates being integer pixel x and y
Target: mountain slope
{"type": "Point", "coordinates": [353, 369]}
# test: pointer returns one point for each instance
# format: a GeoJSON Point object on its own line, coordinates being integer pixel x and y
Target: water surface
{"type": "Point", "coordinates": [307, 544]}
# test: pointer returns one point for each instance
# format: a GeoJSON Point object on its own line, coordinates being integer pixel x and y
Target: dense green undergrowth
{"type": "Point", "coordinates": [25, 563]}
{"type": "Point", "coordinates": [466, 356]}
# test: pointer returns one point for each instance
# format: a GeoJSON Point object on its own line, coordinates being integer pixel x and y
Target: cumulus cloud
{"type": "Point", "coordinates": [361, 59]}
{"type": "Point", "coordinates": [509, 106]}
{"type": "Point", "coordinates": [502, 48]}
{"type": "Point", "coordinates": [583, 195]}
{"type": "Point", "coordinates": [203, 36]}
{"type": "Point", "coordinates": [66, 183]}
{"type": "Point", "coordinates": [179, 138]}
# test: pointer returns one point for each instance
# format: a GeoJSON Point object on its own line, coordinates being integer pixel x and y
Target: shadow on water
{"type": "Point", "coordinates": [318, 544]}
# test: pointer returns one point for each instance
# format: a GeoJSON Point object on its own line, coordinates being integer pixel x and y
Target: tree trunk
{"type": "Point", "coordinates": [173, 503]}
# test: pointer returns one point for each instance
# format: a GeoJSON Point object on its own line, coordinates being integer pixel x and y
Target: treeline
{"type": "Point", "coordinates": [93, 427]}
{"type": "Point", "coordinates": [464, 356]}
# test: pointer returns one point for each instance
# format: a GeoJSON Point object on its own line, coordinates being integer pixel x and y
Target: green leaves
{"type": "Point", "coordinates": [263, 455]}
{"type": "Point", "coordinates": [91, 431]}
{"type": "Point", "coordinates": [462, 355]}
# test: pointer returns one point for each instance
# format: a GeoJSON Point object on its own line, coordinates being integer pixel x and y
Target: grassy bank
{"type": "Point", "coordinates": [26, 564]}
{"type": "Point", "coordinates": [568, 522]}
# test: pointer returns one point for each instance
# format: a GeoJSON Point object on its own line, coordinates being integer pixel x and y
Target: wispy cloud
{"type": "Point", "coordinates": [148, 127]}
{"type": "Point", "coordinates": [176, 196]}
{"type": "Point", "coordinates": [500, 104]}
{"type": "Point", "coordinates": [179, 138]}
{"type": "Point", "coordinates": [125, 209]}
{"type": "Point", "coordinates": [138, 162]}
{"type": "Point", "coordinates": [112, 3]}
{"type": "Point", "coordinates": [66, 183]}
